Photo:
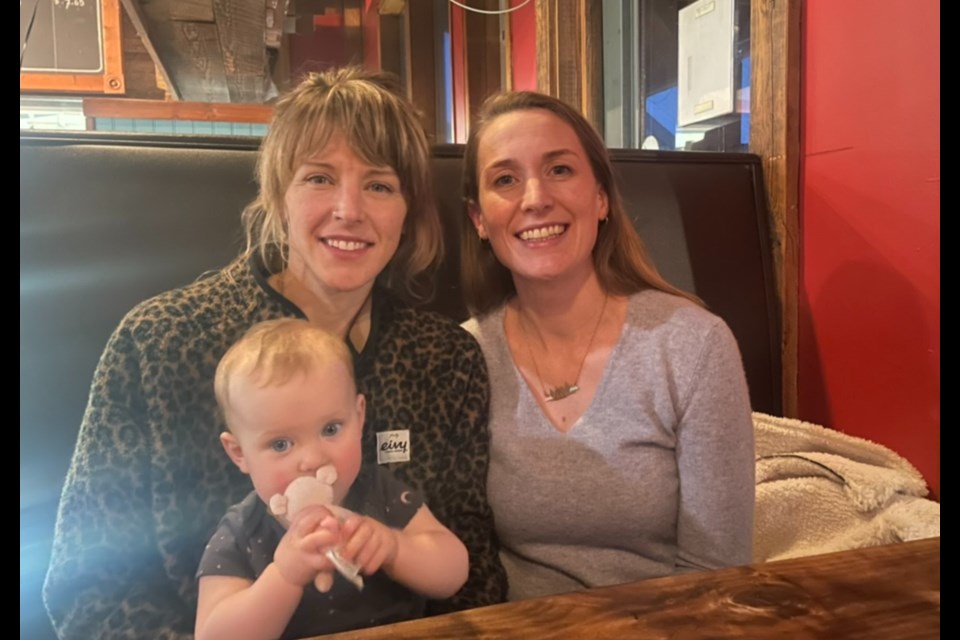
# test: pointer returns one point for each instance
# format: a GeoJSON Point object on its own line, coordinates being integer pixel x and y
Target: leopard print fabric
{"type": "Point", "coordinates": [149, 480]}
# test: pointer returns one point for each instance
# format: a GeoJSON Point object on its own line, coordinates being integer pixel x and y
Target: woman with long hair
{"type": "Point", "coordinates": [621, 438]}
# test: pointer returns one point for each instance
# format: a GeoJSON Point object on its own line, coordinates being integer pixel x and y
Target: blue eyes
{"type": "Point", "coordinates": [281, 445]}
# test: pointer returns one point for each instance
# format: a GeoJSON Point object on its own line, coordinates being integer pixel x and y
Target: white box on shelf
{"type": "Point", "coordinates": [705, 73]}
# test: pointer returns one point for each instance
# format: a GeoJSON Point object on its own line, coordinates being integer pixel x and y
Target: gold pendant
{"type": "Point", "coordinates": [560, 392]}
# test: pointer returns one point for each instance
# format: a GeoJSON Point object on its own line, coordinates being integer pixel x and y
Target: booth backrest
{"type": "Point", "coordinates": [106, 221]}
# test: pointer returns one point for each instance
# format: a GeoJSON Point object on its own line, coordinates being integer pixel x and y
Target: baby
{"type": "Point", "coordinates": [289, 398]}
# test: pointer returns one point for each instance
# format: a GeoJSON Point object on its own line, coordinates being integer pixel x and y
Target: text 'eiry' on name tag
{"type": "Point", "coordinates": [393, 446]}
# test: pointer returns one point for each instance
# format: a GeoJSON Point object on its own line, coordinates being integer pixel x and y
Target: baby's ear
{"type": "Point", "coordinates": [232, 446]}
{"type": "Point", "coordinates": [361, 407]}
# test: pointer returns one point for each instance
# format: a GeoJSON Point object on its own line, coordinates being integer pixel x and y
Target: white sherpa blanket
{"type": "Point", "coordinates": [820, 490]}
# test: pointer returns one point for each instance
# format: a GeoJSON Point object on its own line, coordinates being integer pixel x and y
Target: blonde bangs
{"type": "Point", "coordinates": [382, 128]}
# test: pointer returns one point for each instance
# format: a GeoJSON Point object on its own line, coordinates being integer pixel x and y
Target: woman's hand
{"type": "Point", "coordinates": [368, 544]}
{"type": "Point", "coordinates": [300, 556]}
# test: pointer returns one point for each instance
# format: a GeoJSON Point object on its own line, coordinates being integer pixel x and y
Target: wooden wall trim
{"type": "Point", "coordinates": [775, 41]}
{"type": "Point", "coordinates": [482, 45]}
{"type": "Point", "coordinates": [461, 86]}
{"type": "Point", "coordinates": [569, 46]}
{"type": "Point", "coordinates": [546, 58]}
{"type": "Point", "coordinates": [163, 110]}
{"type": "Point", "coordinates": [591, 44]}
{"type": "Point", "coordinates": [506, 50]}
{"type": "Point", "coordinates": [422, 85]}
{"type": "Point", "coordinates": [112, 54]}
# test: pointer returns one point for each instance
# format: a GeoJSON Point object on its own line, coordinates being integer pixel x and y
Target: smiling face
{"type": "Point", "coordinates": [539, 203]}
{"type": "Point", "coordinates": [280, 432]}
{"type": "Point", "coordinates": [344, 219]}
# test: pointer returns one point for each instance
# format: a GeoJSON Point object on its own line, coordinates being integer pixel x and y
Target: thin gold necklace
{"type": "Point", "coordinates": [566, 389]}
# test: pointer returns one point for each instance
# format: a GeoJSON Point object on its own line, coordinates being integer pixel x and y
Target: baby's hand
{"type": "Point", "coordinates": [368, 544]}
{"type": "Point", "coordinates": [300, 555]}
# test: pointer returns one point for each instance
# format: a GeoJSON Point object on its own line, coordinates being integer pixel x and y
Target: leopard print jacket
{"type": "Point", "coordinates": [149, 480]}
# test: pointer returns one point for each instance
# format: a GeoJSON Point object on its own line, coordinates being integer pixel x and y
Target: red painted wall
{"type": "Point", "coordinates": [523, 47]}
{"type": "Point", "coordinates": [869, 332]}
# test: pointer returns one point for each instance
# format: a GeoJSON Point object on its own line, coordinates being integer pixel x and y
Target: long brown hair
{"type": "Point", "coordinates": [621, 262]}
{"type": "Point", "coordinates": [382, 127]}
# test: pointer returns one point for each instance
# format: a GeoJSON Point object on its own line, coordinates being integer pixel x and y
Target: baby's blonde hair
{"type": "Point", "coordinates": [275, 351]}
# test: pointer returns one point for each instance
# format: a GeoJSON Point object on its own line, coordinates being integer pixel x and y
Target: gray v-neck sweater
{"type": "Point", "coordinates": [656, 477]}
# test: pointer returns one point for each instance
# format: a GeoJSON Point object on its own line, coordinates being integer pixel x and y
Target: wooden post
{"type": "Point", "coordinates": [775, 136]}
{"type": "Point", "coordinates": [568, 54]}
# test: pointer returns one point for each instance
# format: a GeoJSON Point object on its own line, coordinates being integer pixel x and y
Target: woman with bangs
{"type": "Point", "coordinates": [345, 213]}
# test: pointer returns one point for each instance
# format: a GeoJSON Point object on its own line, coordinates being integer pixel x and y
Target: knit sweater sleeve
{"type": "Point", "coordinates": [715, 460]}
{"type": "Point", "coordinates": [106, 578]}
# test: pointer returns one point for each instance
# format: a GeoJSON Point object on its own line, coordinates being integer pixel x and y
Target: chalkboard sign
{"type": "Point", "coordinates": [67, 37]}
{"type": "Point", "coordinates": [72, 45]}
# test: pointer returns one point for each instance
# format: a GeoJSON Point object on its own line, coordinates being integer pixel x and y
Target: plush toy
{"type": "Point", "coordinates": [307, 491]}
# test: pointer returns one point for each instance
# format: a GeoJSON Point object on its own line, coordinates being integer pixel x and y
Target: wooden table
{"type": "Point", "coordinates": [881, 592]}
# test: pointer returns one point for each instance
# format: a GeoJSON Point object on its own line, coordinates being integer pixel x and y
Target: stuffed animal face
{"type": "Point", "coordinates": [303, 492]}
{"type": "Point", "coordinates": [307, 491]}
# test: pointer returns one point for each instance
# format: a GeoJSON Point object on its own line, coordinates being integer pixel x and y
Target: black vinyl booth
{"type": "Point", "coordinates": [109, 220]}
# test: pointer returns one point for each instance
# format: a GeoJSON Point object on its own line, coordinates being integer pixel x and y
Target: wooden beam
{"type": "Point", "coordinates": [132, 10]}
{"type": "Point", "coordinates": [112, 55]}
{"type": "Point", "coordinates": [569, 43]}
{"type": "Point", "coordinates": [775, 38]}
{"type": "Point", "coordinates": [240, 28]}
{"type": "Point", "coordinates": [422, 85]}
{"type": "Point", "coordinates": [557, 49]}
{"type": "Point", "coordinates": [186, 39]}
{"type": "Point", "coordinates": [164, 110]}
{"type": "Point", "coordinates": [194, 59]}
{"type": "Point", "coordinates": [482, 34]}
{"type": "Point", "coordinates": [458, 64]}
{"type": "Point", "coordinates": [506, 50]}
{"type": "Point", "coordinates": [591, 60]}
{"type": "Point", "coordinates": [392, 48]}
{"type": "Point", "coordinates": [188, 10]}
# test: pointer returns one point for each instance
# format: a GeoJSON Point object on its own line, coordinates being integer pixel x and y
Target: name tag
{"type": "Point", "coordinates": [393, 446]}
